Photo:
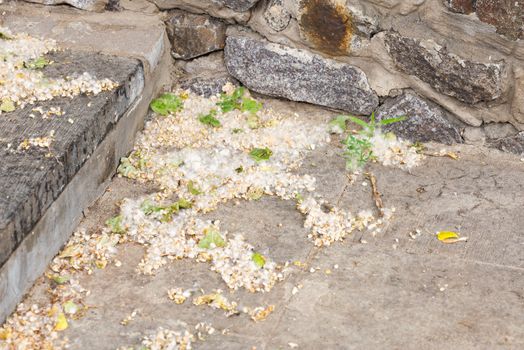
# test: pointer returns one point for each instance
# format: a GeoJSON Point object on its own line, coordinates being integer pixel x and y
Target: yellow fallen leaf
{"type": "Point", "coordinates": [61, 322]}
{"type": "Point", "coordinates": [71, 251]}
{"type": "Point", "coordinates": [450, 237]}
{"type": "Point", "coordinates": [5, 333]}
{"type": "Point", "coordinates": [452, 155]}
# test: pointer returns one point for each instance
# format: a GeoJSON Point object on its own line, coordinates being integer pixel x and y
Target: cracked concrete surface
{"type": "Point", "coordinates": [388, 291]}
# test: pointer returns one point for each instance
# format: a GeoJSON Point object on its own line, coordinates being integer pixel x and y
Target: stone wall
{"type": "Point", "coordinates": [451, 64]}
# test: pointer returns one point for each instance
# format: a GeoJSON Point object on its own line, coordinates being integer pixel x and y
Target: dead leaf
{"type": "Point", "coordinates": [260, 313]}
{"type": "Point", "coordinates": [61, 322]}
{"type": "Point", "coordinates": [450, 237]}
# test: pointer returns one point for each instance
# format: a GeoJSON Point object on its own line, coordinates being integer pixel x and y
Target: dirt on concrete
{"type": "Point", "coordinates": [399, 289]}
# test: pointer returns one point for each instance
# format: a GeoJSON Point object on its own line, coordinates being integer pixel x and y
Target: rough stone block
{"type": "Point", "coordinates": [230, 10]}
{"type": "Point", "coordinates": [425, 120]}
{"type": "Point", "coordinates": [298, 75]}
{"type": "Point", "coordinates": [30, 180]}
{"type": "Point", "coordinates": [194, 35]}
{"type": "Point", "coordinates": [499, 130]}
{"type": "Point", "coordinates": [467, 81]}
{"type": "Point", "coordinates": [513, 144]}
{"type": "Point", "coordinates": [506, 15]}
{"type": "Point", "coordinates": [239, 5]}
{"type": "Point", "coordinates": [89, 5]}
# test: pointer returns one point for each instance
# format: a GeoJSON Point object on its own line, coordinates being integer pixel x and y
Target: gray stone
{"type": "Point", "coordinates": [468, 81]}
{"type": "Point", "coordinates": [89, 5]}
{"type": "Point", "coordinates": [298, 75]}
{"type": "Point", "coordinates": [425, 120]}
{"type": "Point", "coordinates": [194, 35]}
{"type": "Point", "coordinates": [209, 6]}
{"type": "Point", "coordinates": [29, 180]}
{"type": "Point", "coordinates": [474, 135]}
{"type": "Point", "coordinates": [207, 86]}
{"type": "Point", "coordinates": [512, 144]}
{"type": "Point", "coordinates": [214, 8]}
{"type": "Point", "coordinates": [238, 5]}
{"type": "Point", "coordinates": [499, 130]}
{"type": "Point", "coordinates": [276, 15]}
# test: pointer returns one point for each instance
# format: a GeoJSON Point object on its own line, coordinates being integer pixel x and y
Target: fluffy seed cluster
{"type": "Point", "coordinates": [166, 339]}
{"type": "Point", "coordinates": [22, 81]}
{"type": "Point", "coordinates": [208, 166]}
{"type": "Point", "coordinates": [392, 151]}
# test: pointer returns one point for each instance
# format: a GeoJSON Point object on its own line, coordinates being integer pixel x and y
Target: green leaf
{"type": "Point", "coordinates": [174, 208]}
{"type": "Point", "coordinates": [148, 207]}
{"type": "Point", "coordinates": [7, 105]}
{"type": "Point", "coordinates": [60, 279]}
{"type": "Point", "coordinates": [211, 240]}
{"type": "Point", "coordinates": [260, 154]}
{"type": "Point", "coordinates": [238, 93]}
{"type": "Point", "coordinates": [115, 224]}
{"type": "Point", "coordinates": [209, 119]}
{"type": "Point", "coordinates": [126, 168]}
{"type": "Point", "coordinates": [231, 102]}
{"type": "Point", "coordinates": [250, 105]}
{"type": "Point", "coordinates": [184, 204]}
{"type": "Point", "coordinates": [167, 103]}
{"type": "Point", "coordinates": [258, 259]}
{"type": "Point", "coordinates": [70, 307]}
{"type": "Point", "coordinates": [338, 125]}
{"type": "Point", "coordinates": [227, 105]}
{"type": "Point", "coordinates": [193, 189]}
{"type": "Point", "coordinates": [358, 151]}
{"type": "Point", "coordinates": [392, 120]}
{"type": "Point", "coordinates": [37, 63]}
{"type": "Point", "coordinates": [237, 130]}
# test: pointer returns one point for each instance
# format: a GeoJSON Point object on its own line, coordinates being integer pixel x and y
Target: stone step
{"type": "Point", "coordinates": [45, 189]}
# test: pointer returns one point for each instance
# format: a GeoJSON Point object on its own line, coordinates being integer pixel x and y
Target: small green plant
{"type": "Point", "coordinates": [210, 120]}
{"type": "Point", "coordinates": [148, 207]}
{"type": "Point", "coordinates": [260, 154]}
{"type": "Point", "coordinates": [359, 148]}
{"type": "Point", "coordinates": [37, 63]}
{"type": "Point", "coordinates": [211, 240]}
{"type": "Point", "coordinates": [167, 103]}
{"type": "Point", "coordinates": [238, 101]}
{"type": "Point", "coordinates": [193, 188]}
{"type": "Point", "coordinates": [115, 224]}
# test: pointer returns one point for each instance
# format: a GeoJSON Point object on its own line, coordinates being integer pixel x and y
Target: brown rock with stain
{"type": "Point", "coordinates": [194, 35]}
{"type": "Point", "coordinates": [506, 15]}
{"type": "Point", "coordinates": [327, 25]}
{"type": "Point", "coordinates": [460, 6]}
